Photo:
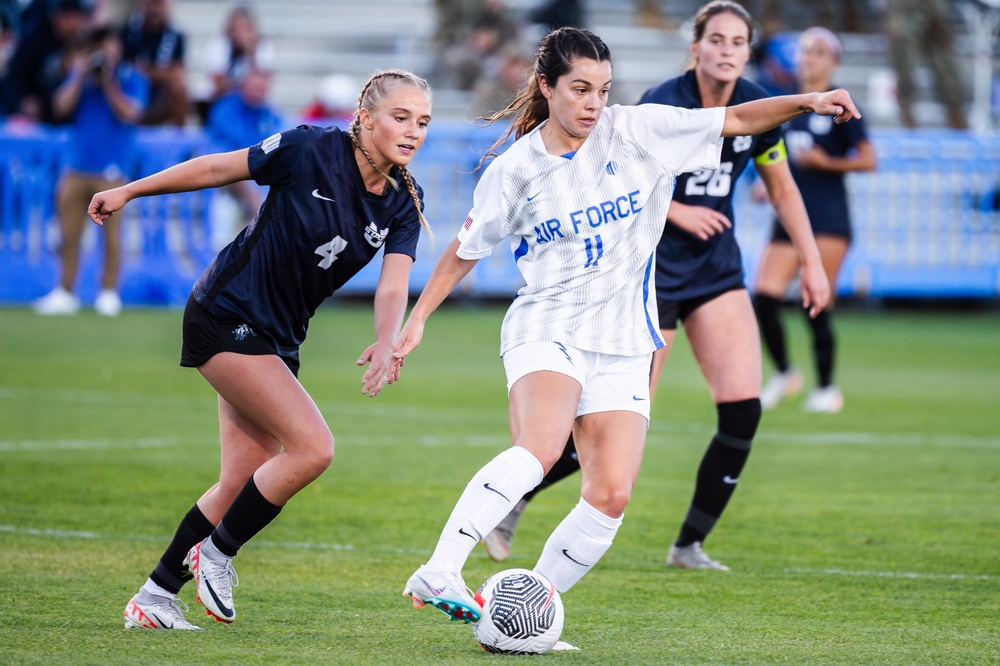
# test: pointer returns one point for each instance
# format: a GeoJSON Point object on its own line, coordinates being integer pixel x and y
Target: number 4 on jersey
{"type": "Point", "coordinates": [329, 251]}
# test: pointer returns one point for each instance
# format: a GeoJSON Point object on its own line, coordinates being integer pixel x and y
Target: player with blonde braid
{"type": "Point", "coordinates": [321, 223]}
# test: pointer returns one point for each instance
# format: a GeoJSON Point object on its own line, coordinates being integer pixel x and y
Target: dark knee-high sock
{"type": "Point", "coordinates": [567, 464]}
{"type": "Point", "coordinates": [249, 513]}
{"type": "Point", "coordinates": [769, 316]}
{"type": "Point", "coordinates": [720, 468]}
{"type": "Point", "coordinates": [824, 345]}
{"type": "Point", "coordinates": [170, 572]}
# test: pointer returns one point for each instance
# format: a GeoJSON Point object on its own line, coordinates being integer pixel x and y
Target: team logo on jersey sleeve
{"type": "Point", "coordinates": [741, 143]}
{"type": "Point", "coordinates": [374, 236]}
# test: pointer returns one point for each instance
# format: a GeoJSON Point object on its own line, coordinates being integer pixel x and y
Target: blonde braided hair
{"type": "Point", "coordinates": [373, 93]}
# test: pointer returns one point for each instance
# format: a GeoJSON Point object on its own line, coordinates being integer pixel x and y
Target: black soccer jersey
{"type": "Point", "coordinates": [686, 266]}
{"type": "Point", "coordinates": [824, 192]}
{"type": "Point", "coordinates": [317, 228]}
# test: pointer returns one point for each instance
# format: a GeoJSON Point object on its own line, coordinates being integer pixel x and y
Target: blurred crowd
{"type": "Point", "coordinates": [481, 47]}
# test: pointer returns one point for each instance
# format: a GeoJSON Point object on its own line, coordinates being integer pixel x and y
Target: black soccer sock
{"type": "Point", "coordinates": [824, 345]}
{"type": "Point", "coordinates": [720, 468]}
{"type": "Point", "coordinates": [249, 513]}
{"type": "Point", "coordinates": [769, 316]}
{"type": "Point", "coordinates": [567, 464]}
{"type": "Point", "coordinates": [170, 572]}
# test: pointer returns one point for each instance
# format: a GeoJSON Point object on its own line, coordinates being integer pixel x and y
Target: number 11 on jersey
{"type": "Point", "coordinates": [595, 250]}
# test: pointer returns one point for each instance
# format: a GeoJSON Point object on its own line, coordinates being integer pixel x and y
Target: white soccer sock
{"type": "Point", "coordinates": [576, 545]}
{"type": "Point", "coordinates": [490, 496]}
{"type": "Point", "coordinates": [153, 588]}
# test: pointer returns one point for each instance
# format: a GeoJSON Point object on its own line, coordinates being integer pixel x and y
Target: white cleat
{"type": "Point", "coordinates": [446, 591]}
{"type": "Point", "coordinates": [781, 385]}
{"type": "Point", "coordinates": [152, 611]}
{"type": "Point", "coordinates": [826, 400]}
{"type": "Point", "coordinates": [108, 303]}
{"type": "Point", "coordinates": [692, 557]}
{"type": "Point", "coordinates": [57, 302]}
{"type": "Point", "coordinates": [215, 578]}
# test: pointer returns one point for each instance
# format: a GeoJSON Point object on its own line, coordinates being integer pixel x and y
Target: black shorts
{"type": "Point", "coordinates": [204, 336]}
{"type": "Point", "coordinates": [670, 311]}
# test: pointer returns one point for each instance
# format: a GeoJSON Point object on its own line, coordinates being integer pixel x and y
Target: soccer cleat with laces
{"type": "Point", "coordinates": [497, 543]}
{"type": "Point", "coordinates": [215, 578]}
{"type": "Point", "coordinates": [825, 400]}
{"type": "Point", "coordinates": [446, 591]}
{"type": "Point", "coordinates": [153, 611]}
{"type": "Point", "coordinates": [692, 557]}
{"type": "Point", "coordinates": [781, 385]}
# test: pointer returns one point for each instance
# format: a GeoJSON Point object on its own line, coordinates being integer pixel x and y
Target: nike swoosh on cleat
{"type": "Point", "coordinates": [461, 530]}
{"type": "Point", "coordinates": [161, 622]}
{"type": "Point", "coordinates": [487, 486]}
{"type": "Point", "coordinates": [228, 612]}
{"type": "Point", "coordinates": [316, 194]}
{"type": "Point", "coordinates": [730, 480]}
{"type": "Point", "coordinates": [570, 558]}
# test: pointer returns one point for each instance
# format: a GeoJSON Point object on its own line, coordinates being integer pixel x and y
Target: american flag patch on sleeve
{"type": "Point", "coordinates": [468, 222]}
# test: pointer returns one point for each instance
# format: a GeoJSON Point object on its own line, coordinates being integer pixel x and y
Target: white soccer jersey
{"type": "Point", "coordinates": [584, 230]}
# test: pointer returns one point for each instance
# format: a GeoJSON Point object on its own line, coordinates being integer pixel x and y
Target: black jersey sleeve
{"type": "Point", "coordinates": [279, 158]}
{"type": "Point", "coordinates": [404, 237]}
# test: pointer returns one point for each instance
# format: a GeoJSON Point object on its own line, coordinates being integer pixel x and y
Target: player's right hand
{"type": "Point", "coordinates": [699, 221]}
{"type": "Point", "coordinates": [407, 340]}
{"type": "Point", "coordinates": [105, 204]}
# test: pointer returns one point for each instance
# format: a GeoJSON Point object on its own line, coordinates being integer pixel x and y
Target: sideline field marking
{"type": "Point", "coordinates": [335, 547]}
{"type": "Point", "coordinates": [88, 444]}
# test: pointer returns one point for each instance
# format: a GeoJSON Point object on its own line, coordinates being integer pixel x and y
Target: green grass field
{"type": "Point", "coordinates": [868, 537]}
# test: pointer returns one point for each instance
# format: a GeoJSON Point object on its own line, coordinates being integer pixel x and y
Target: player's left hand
{"type": "Point", "coordinates": [836, 103]}
{"type": "Point", "coordinates": [381, 371]}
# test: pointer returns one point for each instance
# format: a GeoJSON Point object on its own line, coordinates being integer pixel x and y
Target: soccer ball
{"type": "Point", "coordinates": [522, 613]}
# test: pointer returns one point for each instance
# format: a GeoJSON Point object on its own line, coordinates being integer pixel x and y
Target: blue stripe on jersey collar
{"type": "Point", "coordinates": [569, 155]}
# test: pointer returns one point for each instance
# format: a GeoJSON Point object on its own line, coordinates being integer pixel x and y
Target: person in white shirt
{"type": "Point", "coordinates": [582, 197]}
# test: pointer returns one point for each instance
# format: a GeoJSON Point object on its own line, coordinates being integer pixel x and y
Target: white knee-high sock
{"type": "Point", "coordinates": [490, 496]}
{"type": "Point", "coordinates": [576, 545]}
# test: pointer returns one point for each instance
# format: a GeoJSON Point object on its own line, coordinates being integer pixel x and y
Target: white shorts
{"type": "Point", "coordinates": [610, 382]}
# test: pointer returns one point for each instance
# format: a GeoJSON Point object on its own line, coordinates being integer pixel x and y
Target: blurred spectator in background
{"type": "Point", "coordinates": [921, 30]}
{"type": "Point", "coordinates": [504, 78]}
{"type": "Point", "coordinates": [555, 14]}
{"type": "Point", "coordinates": [477, 33]}
{"type": "Point", "coordinates": [649, 14]}
{"type": "Point", "coordinates": [231, 55]}
{"type": "Point", "coordinates": [243, 118]}
{"type": "Point", "coordinates": [9, 25]}
{"type": "Point", "coordinates": [34, 70]}
{"type": "Point", "coordinates": [103, 99]}
{"type": "Point", "coordinates": [774, 59]}
{"type": "Point", "coordinates": [820, 153]}
{"type": "Point", "coordinates": [157, 49]}
{"type": "Point", "coordinates": [336, 99]}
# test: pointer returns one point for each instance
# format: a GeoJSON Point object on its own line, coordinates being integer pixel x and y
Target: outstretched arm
{"type": "Point", "coordinates": [197, 174]}
{"type": "Point", "coordinates": [447, 273]}
{"type": "Point", "coordinates": [761, 115]}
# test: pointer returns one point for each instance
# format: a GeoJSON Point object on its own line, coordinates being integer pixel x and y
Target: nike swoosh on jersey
{"type": "Point", "coordinates": [316, 194]}
{"type": "Point", "coordinates": [533, 196]}
{"type": "Point", "coordinates": [637, 398]}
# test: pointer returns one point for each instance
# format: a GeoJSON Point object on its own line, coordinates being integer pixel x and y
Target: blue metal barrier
{"type": "Point", "coordinates": [926, 223]}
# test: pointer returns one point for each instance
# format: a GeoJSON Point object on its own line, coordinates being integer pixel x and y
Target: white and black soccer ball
{"type": "Point", "coordinates": [522, 613]}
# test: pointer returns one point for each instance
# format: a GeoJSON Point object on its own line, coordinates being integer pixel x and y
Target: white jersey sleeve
{"type": "Point", "coordinates": [485, 225]}
{"type": "Point", "coordinates": [684, 140]}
